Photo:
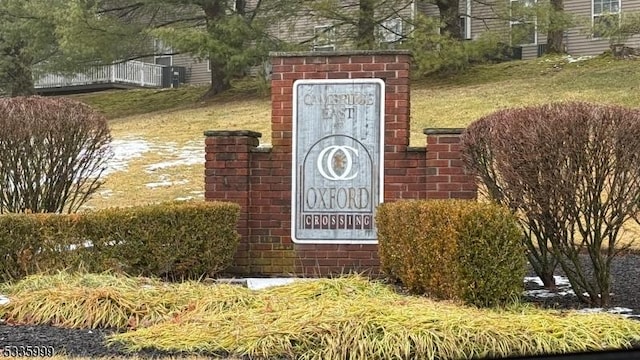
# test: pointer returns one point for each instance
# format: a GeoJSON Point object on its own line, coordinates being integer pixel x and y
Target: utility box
{"type": "Point", "coordinates": [173, 76]}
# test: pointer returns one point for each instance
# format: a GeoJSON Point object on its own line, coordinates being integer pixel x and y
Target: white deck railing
{"type": "Point", "coordinates": [130, 72]}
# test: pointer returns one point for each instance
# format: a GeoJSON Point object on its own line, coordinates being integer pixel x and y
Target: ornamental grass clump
{"type": "Point", "coordinates": [80, 300]}
{"type": "Point", "coordinates": [343, 318]}
{"type": "Point", "coordinates": [367, 320]}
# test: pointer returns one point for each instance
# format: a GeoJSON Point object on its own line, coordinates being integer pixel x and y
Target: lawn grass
{"type": "Point", "coordinates": [348, 317]}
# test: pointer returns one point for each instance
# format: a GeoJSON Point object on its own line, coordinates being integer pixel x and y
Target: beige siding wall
{"type": "Point", "coordinates": [432, 10]}
{"type": "Point", "coordinates": [578, 40]}
{"type": "Point", "coordinates": [529, 51]}
{"type": "Point", "coordinates": [489, 16]}
{"type": "Point", "coordinates": [196, 70]}
{"type": "Point", "coordinates": [300, 30]}
{"type": "Point", "coordinates": [492, 16]}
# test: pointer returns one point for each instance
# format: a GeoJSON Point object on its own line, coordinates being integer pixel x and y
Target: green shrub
{"type": "Point", "coordinates": [452, 249]}
{"type": "Point", "coordinates": [491, 255]}
{"type": "Point", "coordinates": [418, 245]}
{"type": "Point", "coordinates": [32, 243]}
{"type": "Point", "coordinates": [434, 52]}
{"type": "Point", "coordinates": [175, 240]}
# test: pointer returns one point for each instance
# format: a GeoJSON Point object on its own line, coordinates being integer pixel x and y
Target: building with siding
{"type": "Point", "coordinates": [578, 40]}
{"type": "Point", "coordinates": [477, 17]}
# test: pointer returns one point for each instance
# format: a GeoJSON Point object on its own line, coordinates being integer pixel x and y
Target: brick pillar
{"type": "Point", "coordinates": [403, 170]}
{"type": "Point", "coordinates": [227, 171]}
{"type": "Point", "coordinates": [446, 174]}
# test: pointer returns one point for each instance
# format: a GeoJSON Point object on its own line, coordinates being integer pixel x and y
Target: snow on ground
{"type": "Point", "coordinates": [571, 59]}
{"type": "Point", "coordinates": [4, 300]}
{"type": "Point", "coordinates": [622, 311]}
{"type": "Point", "coordinates": [564, 289]}
{"type": "Point", "coordinates": [125, 150]}
{"type": "Point", "coordinates": [187, 155]}
{"type": "Point", "coordinates": [184, 198]}
{"type": "Point", "coordinates": [263, 283]}
{"type": "Point", "coordinates": [562, 284]}
{"type": "Point", "coordinates": [164, 182]}
{"type": "Point", "coordinates": [107, 193]}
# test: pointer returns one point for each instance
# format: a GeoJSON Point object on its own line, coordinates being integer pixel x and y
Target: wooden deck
{"type": "Point", "coordinates": [130, 74]}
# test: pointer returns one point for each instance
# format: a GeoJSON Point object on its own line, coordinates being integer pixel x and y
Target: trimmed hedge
{"type": "Point", "coordinates": [453, 249]}
{"type": "Point", "coordinates": [172, 240]}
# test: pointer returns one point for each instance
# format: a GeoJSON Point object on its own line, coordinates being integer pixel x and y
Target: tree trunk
{"type": "Point", "coordinates": [548, 280]}
{"type": "Point", "coordinates": [219, 79]}
{"type": "Point", "coordinates": [20, 78]}
{"type": "Point", "coordinates": [450, 18]}
{"type": "Point", "coordinates": [366, 25]}
{"type": "Point", "coordinates": [22, 82]}
{"type": "Point", "coordinates": [555, 35]}
{"type": "Point", "coordinates": [214, 11]}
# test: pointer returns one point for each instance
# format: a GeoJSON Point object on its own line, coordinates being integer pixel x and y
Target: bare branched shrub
{"type": "Point", "coordinates": [572, 173]}
{"type": "Point", "coordinates": [52, 154]}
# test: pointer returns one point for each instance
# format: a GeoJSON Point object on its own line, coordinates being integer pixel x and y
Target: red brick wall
{"type": "Point", "coordinates": [259, 179]}
{"type": "Point", "coordinates": [446, 177]}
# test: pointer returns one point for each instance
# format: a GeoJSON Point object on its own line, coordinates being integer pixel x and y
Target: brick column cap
{"type": "Point", "coordinates": [232, 133]}
{"type": "Point", "coordinates": [338, 53]}
{"type": "Point", "coordinates": [443, 131]}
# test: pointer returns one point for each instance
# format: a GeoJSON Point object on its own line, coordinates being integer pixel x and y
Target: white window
{"type": "Point", "coordinates": [163, 53]}
{"type": "Point", "coordinates": [523, 23]}
{"type": "Point", "coordinates": [324, 38]}
{"type": "Point", "coordinates": [391, 30]}
{"type": "Point", "coordinates": [606, 14]}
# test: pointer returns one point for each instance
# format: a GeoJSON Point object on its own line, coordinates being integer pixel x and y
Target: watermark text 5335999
{"type": "Point", "coordinates": [26, 351]}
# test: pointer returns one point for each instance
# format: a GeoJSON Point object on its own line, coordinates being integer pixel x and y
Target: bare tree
{"type": "Point", "coordinates": [572, 173]}
{"type": "Point", "coordinates": [52, 154]}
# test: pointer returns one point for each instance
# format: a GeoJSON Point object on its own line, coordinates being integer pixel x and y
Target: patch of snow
{"type": "Point", "coordinates": [614, 310]}
{"type": "Point", "coordinates": [198, 193]}
{"type": "Point", "coordinates": [86, 244]}
{"type": "Point", "coordinates": [263, 283]}
{"type": "Point", "coordinates": [563, 288]}
{"type": "Point", "coordinates": [4, 300]}
{"type": "Point", "coordinates": [106, 193]}
{"type": "Point", "coordinates": [545, 294]}
{"type": "Point", "coordinates": [159, 184]}
{"type": "Point", "coordinates": [185, 198]}
{"type": "Point", "coordinates": [571, 59]}
{"type": "Point", "coordinates": [620, 310]}
{"type": "Point", "coordinates": [166, 183]}
{"type": "Point", "coordinates": [123, 151]}
{"type": "Point", "coordinates": [560, 280]}
{"type": "Point", "coordinates": [188, 155]}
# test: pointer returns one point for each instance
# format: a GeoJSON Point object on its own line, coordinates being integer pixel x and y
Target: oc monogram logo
{"type": "Point", "coordinates": [336, 162]}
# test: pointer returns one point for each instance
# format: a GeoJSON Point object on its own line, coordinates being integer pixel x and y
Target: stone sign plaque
{"type": "Point", "coordinates": [338, 151]}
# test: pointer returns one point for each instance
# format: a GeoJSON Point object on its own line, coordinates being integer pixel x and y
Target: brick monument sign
{"type": "Point", "coordinates": [340, 147]}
